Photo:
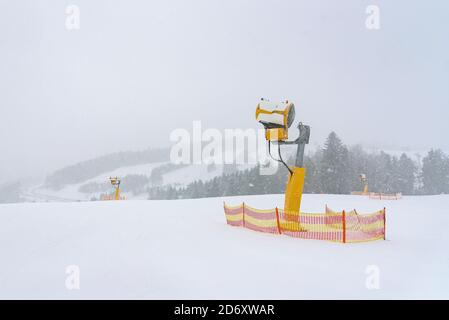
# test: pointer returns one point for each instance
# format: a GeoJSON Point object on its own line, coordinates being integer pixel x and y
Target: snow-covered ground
{"type": "Point", "coordinates": [184, 249]}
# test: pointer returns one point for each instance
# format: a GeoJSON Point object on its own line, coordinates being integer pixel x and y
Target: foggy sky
{"type": "Point", "coordinates": [138, 69]}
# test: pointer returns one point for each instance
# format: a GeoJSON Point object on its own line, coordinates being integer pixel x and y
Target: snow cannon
{"type": "Point", "coordinates": [364, 183]}
{"type": "Point", "coordinates": [277, 118]}
{"type": "Point", "coordinates": [115, 181]}
{"type": "Point", "coordinates": [339, 226]}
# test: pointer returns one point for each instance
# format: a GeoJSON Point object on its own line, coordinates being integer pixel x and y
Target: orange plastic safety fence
{"type": "Point", "coordinates": [111, 197]}
{"type": "Point", "coordinates": [385, 196]}
{"type": "Point", "coordinates": [331, 225]}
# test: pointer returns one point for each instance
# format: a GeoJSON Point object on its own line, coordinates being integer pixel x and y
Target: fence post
{"type": "Point", "coordinates": [243, 213]}
{"type": "Point", "coordinates": [344, 225]}
{"type": "Point", "coordinates": [277, 221]}
{"type": "Point", "coordinates": [385, 224]}
{"type": "Point", "coordinates": [224, 209]}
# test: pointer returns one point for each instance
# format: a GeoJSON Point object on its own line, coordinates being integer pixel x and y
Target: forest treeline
{"type": "Point", "coordinates": [333, 169]}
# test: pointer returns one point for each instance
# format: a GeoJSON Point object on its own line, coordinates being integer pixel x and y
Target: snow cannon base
{"type": "Point", "coordinates": [110, 197]}
{"type": "Point", "coordinates": [385, 196]}
{"type": "Point", "coordinates": [332, 225]}
{"type": "Point", "coordinates": [378, 195]}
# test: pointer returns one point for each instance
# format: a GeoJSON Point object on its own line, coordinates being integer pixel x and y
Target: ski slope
{"type": "Point", "coordinates": [40, 193]}
{"type": "Point", "coordinates": [178, 177]}
{"type": "Point", "coordinates": [183, 249]}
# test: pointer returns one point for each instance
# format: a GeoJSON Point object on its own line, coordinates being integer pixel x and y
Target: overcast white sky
{"type": "Point", "coordinates": [138, 69]}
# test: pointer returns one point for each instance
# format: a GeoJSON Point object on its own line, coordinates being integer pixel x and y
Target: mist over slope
{"type": "Point", "coordinates": [333, 169]}
{"type": "Point", "coordinates": [91, 168]}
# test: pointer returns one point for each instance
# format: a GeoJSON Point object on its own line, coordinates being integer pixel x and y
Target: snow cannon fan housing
{"type": "Point", "coordinates": [276, 118]}
{"type": "Point", "coordinates": [115, 181]}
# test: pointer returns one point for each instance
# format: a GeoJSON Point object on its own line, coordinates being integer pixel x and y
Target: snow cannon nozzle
{"type": "Point", "coordinates": [276, 118]}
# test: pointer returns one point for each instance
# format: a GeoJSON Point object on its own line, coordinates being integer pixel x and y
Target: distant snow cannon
{"type": "Point", "coordinates": [364, 182]}
{"type": "Point", "coordinates": [277, 119]}
{"type": "Point", "coordinates": [115, 181]}
{"type": "Point", "coordinates": [374, 195]}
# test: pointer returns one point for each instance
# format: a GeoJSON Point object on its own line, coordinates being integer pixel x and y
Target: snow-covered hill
{"type": "Point", "coordinates": [177, 177]}
{"type": "Point", "coordinates": [71, 192]}
{"type": "Point", "coordinates": [184, 249]}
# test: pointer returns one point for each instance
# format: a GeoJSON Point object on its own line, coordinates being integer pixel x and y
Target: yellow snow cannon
{"type": "Point", "coordinates": [364, 181]}
{"type": "Point", "coordinates": [115, 181]}
{"type": "Point", "coordinates": [276, 119]}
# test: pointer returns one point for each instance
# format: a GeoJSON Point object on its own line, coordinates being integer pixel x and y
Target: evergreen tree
{"type": "Point", "coordinates": [435, 173]}
{"type": "Point", "coordinates": [312, 181]}
{"type": "Point", "coordinates": [334, 163]}
{"type": "Point", "coordinates": [406, 175]}
{"type": "Point", "coordinates": [384, 173]}
{"type": "Point", "coordinates": [357, 165]}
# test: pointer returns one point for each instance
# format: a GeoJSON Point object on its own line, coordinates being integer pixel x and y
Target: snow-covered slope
{"type": "Point", "coordinates": [184, 249]}
{"type": "Point", "coordinates": [72, 193]}
{"type": "Point", "coordinates": [188, 174]}
{"type": "Point", "coordinates": [177, 177]}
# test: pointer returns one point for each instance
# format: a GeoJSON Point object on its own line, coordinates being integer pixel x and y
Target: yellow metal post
{"type": "Point", "coordinates": [115, 181]}
{"type": "Point", "coordinates": [365, 189]}
{"type": "Point", "coordinates": [117, 193]}
{"type": "Point", "coordinates": [293, 191]}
